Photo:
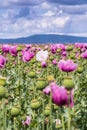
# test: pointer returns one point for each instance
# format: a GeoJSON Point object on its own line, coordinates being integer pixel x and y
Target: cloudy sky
{"type": "Point", "coordinates": [21, 18]}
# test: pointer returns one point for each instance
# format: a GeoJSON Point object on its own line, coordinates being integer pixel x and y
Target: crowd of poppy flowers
{"type": "Point", "coordinates": [43, 87]}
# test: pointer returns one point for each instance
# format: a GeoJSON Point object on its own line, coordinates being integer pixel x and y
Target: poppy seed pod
{"type": "Point", "coordinates": [50, 78]}
{"type": "Point", "coordinates": [35, 104]}
{"type": "Point", "coordinates": [41, 84]}
{"type": "Point", "coordinates": [68, 83]}
{"type": "Point", "coordinates": [2, 81]}
{"type": "Point", "coordinates": [15, 111]}
{"type": "Point", "coordinates": [69, 48]}
{"type": "Point", "coordinates": [47, 111]}
{"type": "Point", "coordinates": [80, 69]}
{"type": "Point", "coordinates": [32, 74]}
{"type": "Point", "coordinates": [2, 91]}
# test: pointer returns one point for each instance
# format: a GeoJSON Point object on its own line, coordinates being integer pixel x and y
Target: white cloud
{"type": "Point", "coordinates": [45, 5]}
{"type": "Point", "coordinates": [60, 21]}
{"type": "Point", "coordinates": [45, 18]}
{"type": "Point", "coordinates": [49, 13]}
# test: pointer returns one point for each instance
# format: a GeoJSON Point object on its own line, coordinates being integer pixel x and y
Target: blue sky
{"type": "Point", "coordinates": [21, 18]}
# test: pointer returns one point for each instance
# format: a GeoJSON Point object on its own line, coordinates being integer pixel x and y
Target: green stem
{"type": "Point", "coordinates": [15, 128]}
{"type": "Point", "coordinates": [47, 127]}
{"type": "Point", "coordinates": [34, 85]}
{"type": "Point", "coordinates": [63, 123]}
{"type": "Point", "coordinates": [4, 118]}
{"type": "Point", "coordinates": [43, 113]}
{"type": "Point", "coordinates": [69, 118]}
{"type": "Point", "coordinates": [51, 111]}
{"type": "Point", "coordinates": [1, 116]}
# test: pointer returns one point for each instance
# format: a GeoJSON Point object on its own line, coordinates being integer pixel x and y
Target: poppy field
{"type": "Point", "coordinates": [43, 87]}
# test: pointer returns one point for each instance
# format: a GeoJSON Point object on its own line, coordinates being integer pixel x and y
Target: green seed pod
{"type": "Point", "coordinates": [23, 118]}
{"type": "Point", "coordinates": [41, 84]}
{"type": "Point", "coordinates": [19, 48]}
{"type": "Point", "coordinates": [50, 78]}
{"type": "Point", "coordinates": [68, 83]}
{"type": "Point", "coordinates": [47, 110]}
{"type": "Point", "coordinates": [15, 111]}
{"type": "Point", "coordinates": [17, 93]}
{"type": "Point", "coordinates": [59, 50]}
{"type": "Point", "coordinates": [80, 69]}
{"type": "Point", "coordinates": [72, 56]}
{"type": "Point", "coordinates": [51, 58]}
{"type": "Point", "coordinates": [32, 74]}
{"type": "Point", "coordinates": [32, 61]}
{"type": "Point", "coordinates": [2, 81]}
{"type": "Point", "coordinates": [69, 48]}
{"type": "Point", "coordinates": [2, 92]}
{"type": "Point", "coordinates": [39, 65]}
{"type": "Point", "coordinates": [35, 104]}
{"type": "Point", "coordinates": [57, 126]}
{"type": "Point", "coordinates": [55, 107]}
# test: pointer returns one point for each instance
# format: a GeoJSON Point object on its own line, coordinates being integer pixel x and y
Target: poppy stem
{"type": "Point", "coordinates": [43, 114]}
{"type": "Point", "coordinates": [51, 111]}
{"type": "Point", "coordinates": [69, 118]}
{"type": "Point", "coordinates": [4, 118]}
{"type": "Point", "coordinates": [63, 123]}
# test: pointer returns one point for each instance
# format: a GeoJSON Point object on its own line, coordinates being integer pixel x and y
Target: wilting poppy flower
{"type": "Point", "coordinates": [42, 55]}
{"type": "Point", "coordinates": [2, 61]}
{"type": "Point", "coordinates": [60, 95]}
{"type": "Point", "coordinates": [27, 121]}
{"type": "Point", "coordinates": [67, 66]}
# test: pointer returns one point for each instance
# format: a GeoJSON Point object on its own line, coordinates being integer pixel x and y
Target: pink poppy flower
{"type": "Point", "coordinates": [67, 66]}
{"type": "Point", "coordinates": [27, 121]}
{"type": "Point", "coordinates": [60, 96]}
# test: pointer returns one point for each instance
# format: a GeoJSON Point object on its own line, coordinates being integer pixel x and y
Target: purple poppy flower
{"type": "Point", "coordinates": [84, 55]}
{"type": "Point", "coordinates": [61, 46]}
{"type": "Point", "coordinates": [53, 48]}
{"type": "Point", "coordinates": [27, 56]}
{"type": "Point", "coordinates": [47, 90]}
{"type": "Point", "coordinates": [38, 48]}
{"type": "Point", "coordinates": [79, 45]}
{"type": "Point", "coordinates": [83, 49]}
{"type": "Point", "coordinates": [6, 48]}
{"type": "Point", "coordinates": [54, 62]}
{"type": "Point", "coordinates": [64, 53]}
{"type": "Point", "coordinates": [67, 66]}
{"type": "Point", "coordinates": [33, 49]}
{"type": "Point", "coordinates": [27, 121]}
{"type": "Point", "coordinates": [60, 95]}
{"type": "Point", "coordinates": [28, 46]}
{"type": "Point", "coordinates": [43, 64]}
{"type": "Point", "coordinates": [13, 50]}
{"type": "Point", "coordinates": [2, 61]}
{"type": "Point", "coordinates": [77, 55]}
